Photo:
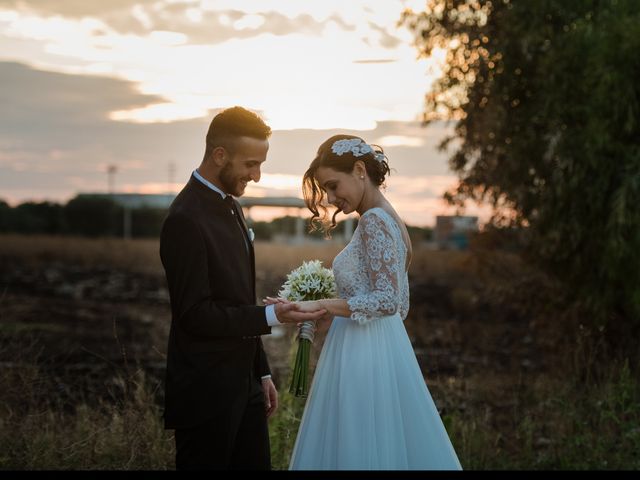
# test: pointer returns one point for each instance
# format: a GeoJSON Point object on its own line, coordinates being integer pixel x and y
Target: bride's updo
{"type": "Point", "coordinates": [340, 153]}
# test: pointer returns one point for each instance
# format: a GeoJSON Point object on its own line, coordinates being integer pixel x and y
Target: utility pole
{"type": "Point", "coordinates": [126, 212]}
{"type": "Point", "coordinates": [172, 175]}
{"type": "Point", "coordinates": [111, 171]}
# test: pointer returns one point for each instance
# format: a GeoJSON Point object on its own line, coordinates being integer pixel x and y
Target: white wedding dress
{"type": "Point", "coordinates": [368, 406]}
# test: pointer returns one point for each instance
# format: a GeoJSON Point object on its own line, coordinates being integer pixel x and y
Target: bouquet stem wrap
{"type": "Point", "coordinates": [310, 281]}
{"type": "Point", "coordinates": [300, 379]}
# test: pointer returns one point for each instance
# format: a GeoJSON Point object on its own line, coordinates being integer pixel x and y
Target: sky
{"type": "Point", "coordinates": [88, 84]}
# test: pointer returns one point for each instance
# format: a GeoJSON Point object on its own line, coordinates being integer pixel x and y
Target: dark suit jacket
{"type": "Point", "coordinates": [214, 346]}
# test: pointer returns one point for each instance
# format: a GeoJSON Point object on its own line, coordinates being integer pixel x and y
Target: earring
{"type": "Point", "coordinates": [362, 177]}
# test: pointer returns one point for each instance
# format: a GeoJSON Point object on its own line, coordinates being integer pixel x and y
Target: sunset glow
{"type": "Point", "coordinates": [144, 79]}
{"type": "Point", "coordinates": [324, 75]}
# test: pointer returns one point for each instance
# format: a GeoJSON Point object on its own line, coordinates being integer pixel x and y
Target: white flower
{"type": "Point", "coordinates": [356, 146]}
{"type": "Point", "coordinates": [342, 146]}
{"type": "Point", "coordinates": [310, 281]}
{"type": "Point", "coordinates": [361, 149]}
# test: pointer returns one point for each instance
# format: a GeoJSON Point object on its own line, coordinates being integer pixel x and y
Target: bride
{"type": "Point", "coordinates": [368, 407]}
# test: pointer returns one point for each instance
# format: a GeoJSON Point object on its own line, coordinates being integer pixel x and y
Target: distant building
{"type": "Point", "coordinates": [135, 200]}
{"type": "Point", "coordinates": [452, 231]}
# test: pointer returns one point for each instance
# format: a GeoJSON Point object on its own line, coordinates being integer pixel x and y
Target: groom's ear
{"type": "Point", "coordinates": [219, 156]}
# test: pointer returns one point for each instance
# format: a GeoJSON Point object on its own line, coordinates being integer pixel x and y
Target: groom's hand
{"type": "Point", "coordinates": [322, 325]}
{"type": "Point", "coordinates": [290, 313]}
{"type": "Point", "coordinates": [270, 396]}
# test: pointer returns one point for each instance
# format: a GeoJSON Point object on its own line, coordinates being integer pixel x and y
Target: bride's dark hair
{"type": "Point", "coordinates": [315, 197]}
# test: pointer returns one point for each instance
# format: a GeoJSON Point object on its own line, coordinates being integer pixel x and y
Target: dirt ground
{"type": "Point", "coordinates": [84, 323]}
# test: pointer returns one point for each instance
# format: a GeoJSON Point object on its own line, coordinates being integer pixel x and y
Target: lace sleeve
{"type": "Point", "coordinates": [380, 257]}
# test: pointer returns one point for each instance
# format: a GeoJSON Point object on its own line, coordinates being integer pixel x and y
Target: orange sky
{"type": "Point", "coordinates": [135, 83]}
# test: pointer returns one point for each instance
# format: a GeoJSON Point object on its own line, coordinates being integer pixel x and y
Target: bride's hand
{"type": "Point", "coordinates": [309, 306]}
{"type": "Point", "coordinates": [273, 301]}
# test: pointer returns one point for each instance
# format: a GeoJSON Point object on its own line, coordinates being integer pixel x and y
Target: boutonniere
{"type": "Point", "coordinates": [252, 235]}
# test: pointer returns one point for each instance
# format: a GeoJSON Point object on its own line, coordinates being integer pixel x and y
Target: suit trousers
{"type": "Point", "coordinates": [236, 438]}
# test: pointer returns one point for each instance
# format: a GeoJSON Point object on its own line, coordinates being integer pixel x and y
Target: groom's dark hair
{"type": "Point", "coordinates": [232, 123]}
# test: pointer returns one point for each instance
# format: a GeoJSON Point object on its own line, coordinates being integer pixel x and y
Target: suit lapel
{"type": "Point", "coordinates": [244, 222]}
{"type": "Point", "coordinates": [245, 229]}
{"type": "Point", "coordinates": [250, 243]}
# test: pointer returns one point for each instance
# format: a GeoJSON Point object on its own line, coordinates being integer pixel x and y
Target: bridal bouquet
{"type": "Point", "coordinates": [310, 281]}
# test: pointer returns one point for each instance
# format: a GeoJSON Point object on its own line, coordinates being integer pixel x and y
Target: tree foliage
{"type": "Point", "coordinates": [546, 99]}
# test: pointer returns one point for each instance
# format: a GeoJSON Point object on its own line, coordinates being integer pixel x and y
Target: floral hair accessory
{"type": "Point", "coordinates": [356, 146]}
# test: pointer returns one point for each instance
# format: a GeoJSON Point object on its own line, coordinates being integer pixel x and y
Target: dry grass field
{"type": "Point", "coordinates": [84, 323]}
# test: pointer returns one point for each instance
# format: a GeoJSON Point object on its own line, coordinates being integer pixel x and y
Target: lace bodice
{"type": "Point", "coordinates": [370, 271]}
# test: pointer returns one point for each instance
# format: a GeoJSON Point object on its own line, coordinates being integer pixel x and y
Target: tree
{"type": "Point", "coordinates": [6, 217]}
{"type": "Point", "coordinates": [32, 217]}
{"type": "Point", "coordinates": [546, 100]}
{"type": "Point", "coordinates": [147, 221]}
{"type": "Point", "coordinates": [93, 216]}
{"type": "Point", "coordinates": [43, 217]}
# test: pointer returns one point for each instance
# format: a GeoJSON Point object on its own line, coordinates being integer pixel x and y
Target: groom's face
{"type": "Point", "coordinates": [243, 165]}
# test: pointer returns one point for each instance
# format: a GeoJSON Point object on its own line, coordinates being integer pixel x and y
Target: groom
{"type": "Point", "coordinates": [218, 387]}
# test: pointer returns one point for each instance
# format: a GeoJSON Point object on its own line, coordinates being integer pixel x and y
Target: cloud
{"type": "Point", "coordinates": [73, 9]}
{"type": "Point", "coordinates": [385, 39]}
{"type": "Point", "coordinates": [302, 68]}
{"type": "Point", "coordinates": [210, 30]}
{"type": "Point", "coordinates": [399, 141]}
{"type": "Point", "coordinates": [411, 148]}
{"type": "Point", "coordinates": [200, 26]}
{"type": "Point", "coordinates": [211, 27]}
{"type": "Point", "coordinates": [56, 139]}
{"type": "Point", "coordinates": [33, 99]}
{"type": "Point", "coordinates": [56, 125]}
{"type": "Point", "coordinates": [375, 60]}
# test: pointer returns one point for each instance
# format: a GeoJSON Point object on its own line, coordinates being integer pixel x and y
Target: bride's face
{"type": "Point", "coordinates": [343, 190]}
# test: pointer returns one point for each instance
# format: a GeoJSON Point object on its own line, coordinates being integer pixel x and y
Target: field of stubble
{"type": "Point", "coordinates": [84, 325]}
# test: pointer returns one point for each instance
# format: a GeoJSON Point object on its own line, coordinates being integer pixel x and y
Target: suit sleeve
{"type": "Point", "coordinates": [261, 364]}
{"type": "Point", "coordinates": [184, 257]}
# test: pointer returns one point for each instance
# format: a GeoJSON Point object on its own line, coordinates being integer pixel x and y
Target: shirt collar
{"type": "Point", "coordinates": [208, 183]}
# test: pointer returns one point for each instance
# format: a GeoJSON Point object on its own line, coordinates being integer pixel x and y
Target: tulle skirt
{"type": "Point", "coordinates": [369, 407]}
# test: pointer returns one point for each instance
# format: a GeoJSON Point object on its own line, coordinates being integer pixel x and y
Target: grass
{"type": "Point", "coordinates": [142, 255]}
{"type": "Point", "coordinates": [283, 426]}
{"type": "Point", "coordinates": [582, 412]}
{"type": "Point", "coordinates": [126, 434]}
{"type": "Point", "coordinates": [556, 422]}
{"type": "Point", "coordinates": [560, 426]}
